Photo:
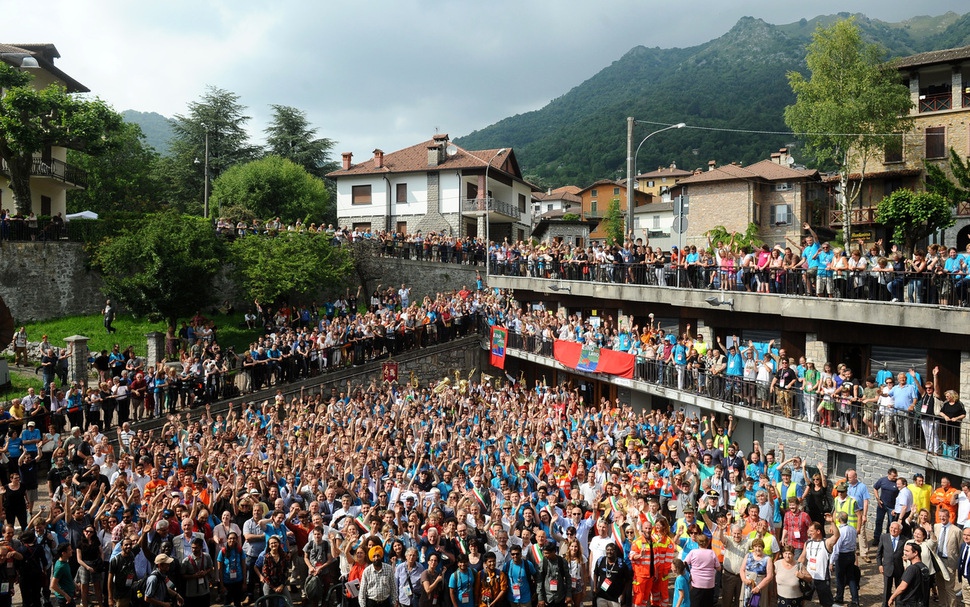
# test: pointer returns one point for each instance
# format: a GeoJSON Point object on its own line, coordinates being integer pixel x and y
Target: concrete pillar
{"type": "Point", "coordinates": [77, 359]}
{"type": "Point", "coordinates": [816, 350]}
{"type": "Point", "coordinates": [914, 92]}
{"type": "Point", "coordinates": [481, 226]}
{"type": "Point", "coordinates": [156, 349]}
{"type": "Point", "coordinates": [956, 88]}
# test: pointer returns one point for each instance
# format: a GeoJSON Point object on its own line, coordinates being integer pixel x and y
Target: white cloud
{"type": "Point", "coordinates": [380, 73]}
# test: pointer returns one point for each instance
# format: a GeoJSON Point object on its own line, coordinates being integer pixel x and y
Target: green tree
{"type": "Point", "coordinates": [845, 110]}
{"type": "Point", "coordinates": [271, 187]}
{"type": "Point", "coordinates": [32, 120]}
{"type": "Point", "coordinates": [913, 216]}
{"type": "Point", "coordinates": [719, 235]}
{"type": "Point", "coordinates": [290, 136]}
{"type": "Point", "coordinates": [121, 179]}
{"type": "Point", "coordinates": [274, 269]}
{"type": "Point", "coordinates": [613, 223]}
{"type": "Point", "coordinates": [220, 117]}
{"type": "Point", "coordinates": [164, 267]}
{"type": "Point", "coordinates": [939, 182]}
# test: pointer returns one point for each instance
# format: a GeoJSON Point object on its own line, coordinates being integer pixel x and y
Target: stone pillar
{"type": "Point", "coordinates": [816, 350]}
{"type": "Point", "coordinates": [956, 88]}
{"type": "Point", "coordinates": [156, 349]}
{"type": "Point", "coordinates": [914, 92]}
{"type": "Point", "coordinates": [964, 390]}
{"type": "Point", "coordinates": [77, 359]}
{"type": "Point", "coordinates": [481, 227]}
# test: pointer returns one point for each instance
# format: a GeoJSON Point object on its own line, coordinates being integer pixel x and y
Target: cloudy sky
{"type": "Point", "coordinates": [377, 73]}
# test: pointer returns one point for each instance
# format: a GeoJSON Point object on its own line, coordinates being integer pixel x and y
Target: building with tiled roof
{"type": "Point", "coordinates": [659, 182]}
{"type": "Point", "coordinates": [436, 186]}
{"type": "Point", "coordinates": [564, 199]}
{"type": "Point", "coordinates": [771, 193]}
{"type": "Point", "coordinates": [51, 176]}
{"type": "Point", "coordinates": [598, 196]}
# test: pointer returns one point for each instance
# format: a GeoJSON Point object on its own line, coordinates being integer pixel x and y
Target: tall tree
{"type": "Point", "coordinates": [32, 120]}
{"type": "Point", "coordinates": [121, 179]}
{"type": "Point", "coordinates": [164, 267]}
{"type": "Point", "coordinates": [271, 187]}
{"type": "Point", "coordinates": [219, 117]}
{"type": "Point", "coordinates": [613, 223]}
{"type": "Point", "coordinates": [290, 136]}
{"type": "Point", "coordinates": [850, 106]}
{"type": "Point", "coordinates": [913, 216]}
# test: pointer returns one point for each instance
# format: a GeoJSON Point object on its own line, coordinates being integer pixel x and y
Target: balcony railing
{"type": "Point", "coordinates": [475, 205]}
{"type": "Point", "coordinates": [935, 103]}
{"type": "Point", "coordinates": [963, 208]}
{"type": "Point", "coordinates": [848, 415]}
{"type": "Point", "coordinates": [856, 216]}
{"type": "Point", "coordinates": [594, 214]}
{"type": "Point", "coordinates": [54, 169]}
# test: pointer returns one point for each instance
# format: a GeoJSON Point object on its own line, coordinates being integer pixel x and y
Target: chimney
{"type": "Point", "coordinates": [711, 165]}
{"type": "Point", "coordinates": [347, 156]}
{"type": "Point", "coordinates": [434, 155]}
{"type": "Point", "coordinates": [776, 158]}
{"type": "Point", "coordinates": [378, 158]}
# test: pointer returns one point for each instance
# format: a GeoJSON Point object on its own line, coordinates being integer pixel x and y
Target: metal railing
{"type": "Point", "coordinates": [474, 205]}
{"type": "Point", "coordinates": [857, 216]}
{"type": "Point", "coordinates": [895, 287]}
{"type": "Point", "coordinates": [909, 430]}
{"type": "Point", "coordinates": [463, 251]}
{"type": "Point", "coordinates": [54, 169]}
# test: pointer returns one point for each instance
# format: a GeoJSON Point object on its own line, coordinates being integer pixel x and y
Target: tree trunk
{"type": "Point", "coordinates": [844, 204]}
{"type": "Point", "coordinates": [19, 169]}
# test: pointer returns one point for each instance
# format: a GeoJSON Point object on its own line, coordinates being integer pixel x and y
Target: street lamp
{"type": "Point", "coordinates": [488, 206]}
{"type": "Point", "coordinates": [631, 163]}
{"type": "Point", "coordinates": [205, 188]}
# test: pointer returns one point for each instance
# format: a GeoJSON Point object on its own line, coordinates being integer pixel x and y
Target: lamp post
{"type": "Point", "coordinates": [488, 206]}
{"type": "Point", "coordinates": [631, 163]}
{"type": "Point", "coordinates": [205, 187]}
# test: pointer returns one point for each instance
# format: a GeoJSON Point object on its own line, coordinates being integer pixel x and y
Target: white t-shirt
{"type": "Point", "coordinates": [963, 509]}
{"type": "Point", "coordinates": [817, 559]}
{"type": "Point", "coordinates": [597, 549]}
{"type": "Point", "coordinates": [904, 499]}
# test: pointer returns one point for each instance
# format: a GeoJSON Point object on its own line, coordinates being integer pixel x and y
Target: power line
{"type": "Point", "coordinates": [786, 133]}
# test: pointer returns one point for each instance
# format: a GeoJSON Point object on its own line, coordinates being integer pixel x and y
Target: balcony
{"type": "Point", "coordinates": [473, 206]}
{"type": "Point", "coordinates": [55, 170]}
{"type": "Point", "coordinates": [787, 410]}
{"type": "Point", "coordinates": [856, 216]}
{"type": "Point", "coordinates": [597, 214]}
{"type": "Point", "coordinates": [936, 102]}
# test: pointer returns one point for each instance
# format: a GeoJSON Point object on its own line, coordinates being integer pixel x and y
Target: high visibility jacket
{"type": "Point", "coordinates": [848, 505]}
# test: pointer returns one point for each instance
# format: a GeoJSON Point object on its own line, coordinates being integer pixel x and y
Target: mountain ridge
{"type": "Point", "coordinates": [735, 81]}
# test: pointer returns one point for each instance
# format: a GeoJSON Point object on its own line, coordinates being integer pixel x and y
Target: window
{"type": "Point", "coordinates": [362, 226]}
{"type": "Point", "coordinates": [592, 208]}
{"type": "Point", "coordinates": [616, 191]}
{"type": "Point", "coordinates": [894, 148]}
{"type": "Point", "coordinates": [402, 193]}
{"type": "Point", "coordinates": [781, 214]}
{"type": "Point", "coordinates": [522, 203]}
{"type": "Point", "coordinates": [592, 193]}
{"type": "Point", "coordinates": [656, 222]}
{"type": "Point", "coordinates": [548, 207]}
{"type": "Point", "coordinates": [650, 184]}
{"type": "Point", "coordinates": [936, 142]}
{"type": "Point", "coordinates": [782, 187]}
{"type": "Point", "coordinates": [838, 464]}
{"type": "Point", "coordinates": [360, 194]}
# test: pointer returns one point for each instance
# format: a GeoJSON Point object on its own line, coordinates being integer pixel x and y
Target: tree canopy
{"type": "Point", "coordinates": [850, 106]}
{"type": "Point", "coordinates": [121, 179]}
{"type": "Point", "coordinates": [164, 267]}
{"type": "Point", "coordinates": [913, 216]}
{"type": "Point", "coordinates": [271, 269]}
{"type": "Point", "coordinates": [290, 136]}
{"type": "Point", "coordinates": [954, 190]}
{"type": "Point", "coordinates": [32, 120]}
{"type": "Point", "coordinates": [271, 187]}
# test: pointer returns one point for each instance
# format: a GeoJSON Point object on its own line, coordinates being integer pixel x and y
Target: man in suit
{"type": "Point", "coordinates": [889, 555]}
{"type": "Point", "coordinates": [963, 567]}
{"type": "Point", "coordinates": [948, 551]}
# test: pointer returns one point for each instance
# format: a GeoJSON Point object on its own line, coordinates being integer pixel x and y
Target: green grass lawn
{"type": "Point", "coordinates": [131, 331]}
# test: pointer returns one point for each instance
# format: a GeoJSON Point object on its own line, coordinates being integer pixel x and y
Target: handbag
{"type": "Point", "coordinates": [754, 600]}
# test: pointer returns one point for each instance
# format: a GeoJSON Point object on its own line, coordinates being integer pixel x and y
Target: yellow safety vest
{"type": "Point", "coordinates": [848, 505]}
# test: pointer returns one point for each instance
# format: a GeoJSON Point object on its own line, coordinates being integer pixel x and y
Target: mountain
{"type": "Point", "coordinates": [157, 128]}
{"type": "Point", "coordinates": [737, 82]}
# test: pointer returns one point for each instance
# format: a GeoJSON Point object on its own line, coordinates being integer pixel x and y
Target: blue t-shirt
{"type": "Point", "coordinates": [519, 576]}
{"type": "Point", "coordinates": [463, 583]}
{"type": "Point", "coordinates": [233, 562]}
{"type": "Point", "coordinates": [681, 589]}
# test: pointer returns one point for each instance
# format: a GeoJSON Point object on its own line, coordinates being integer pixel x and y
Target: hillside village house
{"type": "Point", "coordinates": [565, 199]}
{"type": "Point", "coordinates": [770, 193]}
{"type": "Point", "coordinates": [939, 86]}
{"type": "Point", "coordinates": [436, 186]}
{"type": "Point", "coordinates": [596, 199]}
{"type": "Point", "coordinates": [51, 176]}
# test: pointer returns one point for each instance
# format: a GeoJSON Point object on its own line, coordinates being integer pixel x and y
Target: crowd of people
{"type": "Point", "coordinates": [468, 494]}
{"type": "Point", "coordinates": [900, 406]}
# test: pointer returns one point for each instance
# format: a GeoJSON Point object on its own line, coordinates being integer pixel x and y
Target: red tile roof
{"type": "Point", "coordinates": [765, 170]}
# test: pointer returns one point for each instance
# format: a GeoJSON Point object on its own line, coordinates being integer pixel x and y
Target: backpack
{"type": "Point", "coordinates": [137, 595]}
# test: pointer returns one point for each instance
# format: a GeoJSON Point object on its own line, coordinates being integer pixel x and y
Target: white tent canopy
{"type": "Point", "coordinates": [81, 215]}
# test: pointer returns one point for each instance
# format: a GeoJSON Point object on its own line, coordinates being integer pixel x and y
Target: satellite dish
{"type": "Point", "coordinates": [452, 149]}
{"type": "Point", "coordinates": [791, 161]}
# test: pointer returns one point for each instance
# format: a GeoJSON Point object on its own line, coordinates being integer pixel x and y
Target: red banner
{"type": "Point", "coordinates": [389, 372]}
{"type": "Point", "coordinates": [500, 337]}
{"type": "Point", "coordinates": [590, 358]}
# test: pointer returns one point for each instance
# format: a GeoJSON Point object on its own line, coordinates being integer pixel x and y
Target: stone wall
{"type": "Point", "coordinates": [40, 280]}
{"type": "Point", "coordinates": [424, 277]}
